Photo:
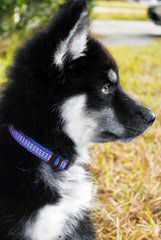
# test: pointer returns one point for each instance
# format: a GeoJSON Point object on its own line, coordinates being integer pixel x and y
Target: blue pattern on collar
{"type": "Point", "coordinates": [56, 161]}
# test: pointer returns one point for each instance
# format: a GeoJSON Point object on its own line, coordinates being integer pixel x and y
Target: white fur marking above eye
{"type": "Point", "coordinates": [76, 43]}
{"type": "Point", "coordinates": [112, 76]}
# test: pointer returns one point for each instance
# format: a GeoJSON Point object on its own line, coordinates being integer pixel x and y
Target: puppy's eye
{"type": "Point", "coordinates": [106, 88]}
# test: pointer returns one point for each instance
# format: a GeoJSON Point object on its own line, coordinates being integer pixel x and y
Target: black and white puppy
{"type": "Point", "coordinates": [64, 92]}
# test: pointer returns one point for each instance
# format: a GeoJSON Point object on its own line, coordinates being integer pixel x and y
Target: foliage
{"type": "Point", "coordinates": [17, 15]}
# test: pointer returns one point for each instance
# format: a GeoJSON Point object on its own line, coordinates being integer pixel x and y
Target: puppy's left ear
{"type": "Point", "coordinates": [74, 45]}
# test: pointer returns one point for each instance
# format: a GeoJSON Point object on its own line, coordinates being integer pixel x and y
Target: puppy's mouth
{"type": "Point", "coordinates": [107, 136]}
{"type": "Point", "coordinates": [132, 133]}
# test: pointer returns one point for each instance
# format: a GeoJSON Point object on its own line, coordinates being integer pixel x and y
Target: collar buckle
{"type": "Point", "coordinates": [59, 163]}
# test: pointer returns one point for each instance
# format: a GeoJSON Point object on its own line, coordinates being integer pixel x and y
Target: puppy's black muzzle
{"type": "Point", "coordinates": [134, 117]}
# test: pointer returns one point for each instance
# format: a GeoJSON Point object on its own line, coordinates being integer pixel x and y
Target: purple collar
{"type": "Point", "coordinates": [56, 161]}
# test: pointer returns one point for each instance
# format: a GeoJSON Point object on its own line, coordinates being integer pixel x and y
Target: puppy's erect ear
{"type": "Point", "coordinates": [74, 34]}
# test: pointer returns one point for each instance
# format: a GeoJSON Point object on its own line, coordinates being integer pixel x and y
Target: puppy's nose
{"type": "Point", "coordinates": [150, 117]}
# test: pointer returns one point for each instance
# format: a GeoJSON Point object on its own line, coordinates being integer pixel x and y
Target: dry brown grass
{"type": "Point", "coordinates": [128, 176]}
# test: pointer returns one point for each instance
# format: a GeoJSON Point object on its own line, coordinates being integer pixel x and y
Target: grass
{"type": "Point", "coordinates": [120, 4]}
{"type": "Point", "coordinates": [118, 16]}
{"type": "Point", "coordinates": [128, 176]}
{"type": "Point", "coordinates": [7, 50]}
{"type": "Point", "coordinates": [140, 15]}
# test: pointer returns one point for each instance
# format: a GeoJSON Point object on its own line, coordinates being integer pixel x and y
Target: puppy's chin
{"type": "Point", "coordinates": [105, 137]}
{"type": "Point", "coordinates": [110, 137]}
{"type": "Point", "coordinates": [126, 140]}
{"type": "Point", "coordinates": [131, 136]}
{"type": "Point", "coordinates": [114, 139]}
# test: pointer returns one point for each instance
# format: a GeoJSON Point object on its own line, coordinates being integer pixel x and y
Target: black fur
{"type": "Point", "coordinates": [31, 102]}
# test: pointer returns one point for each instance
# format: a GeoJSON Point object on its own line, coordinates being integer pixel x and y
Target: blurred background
{"type": "Point", "coordinates": [127, 176]}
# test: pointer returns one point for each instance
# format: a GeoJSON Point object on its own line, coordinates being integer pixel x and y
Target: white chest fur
{"type": "Point", "coordinates": [76, 196]}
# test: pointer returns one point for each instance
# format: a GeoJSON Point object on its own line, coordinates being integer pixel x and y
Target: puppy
{"type": "Point", "coordinates": [64, 93]}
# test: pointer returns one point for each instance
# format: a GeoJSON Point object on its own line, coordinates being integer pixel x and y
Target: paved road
{"type": "Point", "coordinates": [113, 32]}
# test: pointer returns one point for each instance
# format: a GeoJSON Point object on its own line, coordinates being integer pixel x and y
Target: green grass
{"type": "Point", "coordinates": [7, 50]}
{"type": "Point", "coordinates": [120, 16]}
{"type": "Point", "coordinates": [129, 175]}
{"type": "Point", "coordinates": [120, 4]}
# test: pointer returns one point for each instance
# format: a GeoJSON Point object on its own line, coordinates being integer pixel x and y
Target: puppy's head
{"type": "Point", "coordinates": [95, 108]}
{"type": "Point", "coordinates": [65, 80]}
